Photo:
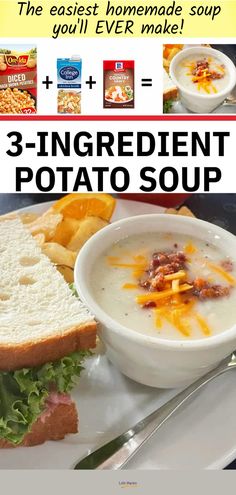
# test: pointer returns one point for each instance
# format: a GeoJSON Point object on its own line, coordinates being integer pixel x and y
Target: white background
{"type": "Point", "coordinates": [134, 164]}
{"type": "Point", "coordinates": [147, 53]}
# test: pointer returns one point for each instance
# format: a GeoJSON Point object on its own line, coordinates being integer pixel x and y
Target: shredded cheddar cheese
{"type": "Point", "coordinates": [203, 324]}
{"type": "Point", "coordinates": [190, 248]}
{"type": "Point", "coordinates": [158, 319]}
{"type": "Point", "coordinates": [220, 271]}
{"type": "Point", "coordinates": [129, 286]}
{"type": "Point", "coordinates": [203, 75]}
{"type": "Point", "coordinates": [170, 301]}
{"type": "Point", "coordinates": [157, 296]}
{"type": "Point", "coordinates": [175, 286]}
{"type": "Point", "coordinates": [174, 276]}
{"type": "Point", "coordinates": [139, 265]}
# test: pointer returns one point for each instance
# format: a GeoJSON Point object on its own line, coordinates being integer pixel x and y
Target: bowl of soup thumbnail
{"type": "Point", "coordinates": [163, 289]}
{"type": "Point", "coordinates": [204, 78]}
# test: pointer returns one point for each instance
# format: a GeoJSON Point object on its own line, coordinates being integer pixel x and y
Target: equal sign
{"type": "Point", "coordinates": [146, 82]}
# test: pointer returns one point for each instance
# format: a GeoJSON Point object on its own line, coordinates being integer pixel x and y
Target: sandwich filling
{"type": "Point", "coordinates": [36, 304]}
{"type": "Point", "coordinates": [32, 393]}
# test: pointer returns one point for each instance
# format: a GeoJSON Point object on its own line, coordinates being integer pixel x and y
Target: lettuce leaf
{"type": "Point", "coordinates": [73, 289]}
{"type": "Point", "coordinates": [167, 105]}
{"type": "Point", "coordinates": [23, 393]}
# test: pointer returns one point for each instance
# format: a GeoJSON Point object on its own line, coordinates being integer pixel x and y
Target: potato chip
{"type": "Point", "coordinates": [46, 224]}
{"type": "Point", "coordinates": [88, 227]}
{"type": "Point", "coordinates": [169, 52]}
{"type": "Point", "coordinates": [184, 211]}
{"type": "Point", "coordinates": [66, 230]}
{"type": "Point", "coordinates": [59, 254]}
{"type": "Point", "coordinates": [67, 273]}
{"type": "Point", "coordinates": [171, 211]}
{"type": "Point", "coordinates": [172, 53]}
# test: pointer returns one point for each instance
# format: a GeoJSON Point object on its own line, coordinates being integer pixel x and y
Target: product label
{"type": "Point", "coordinates": [18, 79]}
{"type": "Point", "coordinates": [118, 84]}
{"type": "Point", "coordinates": [69, 85]}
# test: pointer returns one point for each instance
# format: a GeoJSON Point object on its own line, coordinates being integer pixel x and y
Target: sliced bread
{"type": "Point", "coordinates": [40, 319]}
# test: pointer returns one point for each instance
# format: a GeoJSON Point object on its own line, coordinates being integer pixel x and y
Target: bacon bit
{"type": "Point", "coordinates": [199, 284]}
{"type": "Point", "coordinates": [150, 304]}
{"type": "Point", "coordinates": [202, 70]}
{"type": "Point", "coordinates": [161, 266]}
{"type": "Point", "coordinates": [214, 292]}
{"type": "Point", "coordinates": [157, 283]}
{"type": "Point", "coordinates": [203, 290]}
{"type": "Point", "coordinates": [168, 269]}
{"type": "Point", "coordinates": [161, 259]}
{"type": "Point", "coordinates": [227, 265]}
{"type": "Point", "coordinates": [203, 76]}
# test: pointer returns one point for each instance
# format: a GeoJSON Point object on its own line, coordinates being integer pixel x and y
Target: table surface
{"type": "Point", "coordinates": [216, 208]}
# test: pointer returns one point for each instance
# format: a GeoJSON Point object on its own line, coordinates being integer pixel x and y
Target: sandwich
{"type": "Point", "coordinates": [170, 92]}
{"type": "Point", "coordinates": [45, 335]}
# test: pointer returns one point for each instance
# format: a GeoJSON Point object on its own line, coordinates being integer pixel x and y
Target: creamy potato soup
{"type": "Point", "coordinates": [202, 74]}
{"type": "Point", "coordinates": [167, 285]}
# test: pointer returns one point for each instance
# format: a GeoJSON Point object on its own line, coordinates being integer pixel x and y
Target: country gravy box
{"type": "Point", "coordinates": [118, 84]}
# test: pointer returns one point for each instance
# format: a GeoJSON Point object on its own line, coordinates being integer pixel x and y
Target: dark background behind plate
{"type": "Point", "coordinates": [216, 208]}
{"type": "Point", "coordinates": [229, 50]}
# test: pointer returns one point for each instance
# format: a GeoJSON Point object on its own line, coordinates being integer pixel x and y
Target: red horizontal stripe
{"type": "Point", "coordinates": [120, 117]}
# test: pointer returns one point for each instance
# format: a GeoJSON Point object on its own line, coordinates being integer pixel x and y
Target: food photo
{"type": "Point", "coordinates": [114, 310]}
{"type": "Point", "coordinates": [199, 78]}
{"type": "Point", "coordinates": [18, 79]}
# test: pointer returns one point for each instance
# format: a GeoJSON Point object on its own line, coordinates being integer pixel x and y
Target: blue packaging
{"type": "Point", "coordinates": [69, 85]}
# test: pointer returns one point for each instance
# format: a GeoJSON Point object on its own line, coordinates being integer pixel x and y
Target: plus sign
{"type": "Point", "coordinates": [47, 82]}
{"type": "Point", "coordinates": [90, 82]}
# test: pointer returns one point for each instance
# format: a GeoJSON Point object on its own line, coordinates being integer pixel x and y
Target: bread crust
{"type": "Point", "coordinates": [39, 352]}
{"type": "Point", "coordinates": [62, 421]}
{"type": "Point", "coordinates": [170, 94]}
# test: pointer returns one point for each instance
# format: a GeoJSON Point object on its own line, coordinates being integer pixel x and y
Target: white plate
{"type": "Point", "coordinates": [200, 436]}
